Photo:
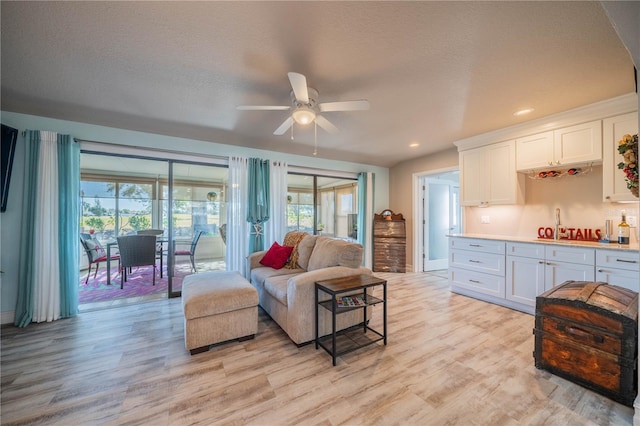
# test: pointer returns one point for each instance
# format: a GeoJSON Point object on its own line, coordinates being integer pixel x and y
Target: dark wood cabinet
{"type": "Point", "coordinates": [389, 242]}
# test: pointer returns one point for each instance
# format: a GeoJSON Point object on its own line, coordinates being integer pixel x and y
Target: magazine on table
{"type": "Point", "coordinates": [350, 301]}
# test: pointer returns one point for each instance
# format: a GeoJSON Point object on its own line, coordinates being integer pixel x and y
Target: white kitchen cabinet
{"type": "Point", "coordinates": [534, 151]}
{"type": "Point", "coordinates": [563, 147]}
{"type": "Point", "coordinates": [581, 143]}
{"type": "Point", "coordinates": [566, 263]}
{"type": "Point", "coordinates": [488, 176]}
{"type": "Point", "coordinates": [512, 273]}
{"type": "Point", "coordinates": [477, 266]}
{"type": "Point", "coordinates": [525, 272]}
{"type": "Point", "coordinates": [618, 267]}
{"type": "Point", "coordinates": [614, 187]}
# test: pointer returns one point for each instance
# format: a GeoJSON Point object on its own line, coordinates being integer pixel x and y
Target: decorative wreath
{"type": "Point", "coordinates": [628, 148]}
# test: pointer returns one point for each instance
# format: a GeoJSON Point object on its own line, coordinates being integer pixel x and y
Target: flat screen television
{"type": "Point", "coordinates": [9, 139]}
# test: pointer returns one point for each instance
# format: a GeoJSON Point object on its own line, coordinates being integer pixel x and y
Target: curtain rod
{"type": "Point", "coordinates": [165, 151]}
{"type": "Point", "coordinates": [24, 134]}
{"type": "Point", "coordinates": [292, 168]}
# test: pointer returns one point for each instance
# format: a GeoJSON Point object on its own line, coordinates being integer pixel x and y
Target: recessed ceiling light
{"type": "Point", "coordinates": [414, 145]}
{"type": "Point", "coordinates": [523, 111]}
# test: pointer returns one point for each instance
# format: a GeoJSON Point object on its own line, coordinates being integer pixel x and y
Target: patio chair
{"type": "Point", "coordinates": [223, 233]}
{"type": "Point", "coordinates": [159, 247]}
{"type": "Point", "coordinates": [95, 253]}
{"type": "Point", "coordinates": [192, 250]}
{"type": "Point", "coordinates": [136, 250]}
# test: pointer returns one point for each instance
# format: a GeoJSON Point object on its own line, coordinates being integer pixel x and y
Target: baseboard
{"type": "Point", "coordinates": [7, 317]}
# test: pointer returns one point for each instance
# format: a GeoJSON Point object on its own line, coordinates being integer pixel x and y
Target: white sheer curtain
{"type": "Point", "coordinates": [46, 297]}
{"type": "Point", "coordinates": [237, 226]}
{"type": "Point", "coordinates": [276, 227]}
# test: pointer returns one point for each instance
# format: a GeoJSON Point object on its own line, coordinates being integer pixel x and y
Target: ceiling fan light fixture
{"type": "Point", "coordinates": [303, 115]}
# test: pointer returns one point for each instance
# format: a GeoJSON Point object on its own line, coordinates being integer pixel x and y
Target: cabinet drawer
{"type": "Point", "coordinates": [477, 244]}
{"type": "Point", "coordinates": [492, 285]}
{"type": "Point", "coordinates": [477, 261]}
{"type": "Point", "coordinates": [581, 255]}
{"type": "Point", "coordinates": [619, 277]}
{"type": "Point", "coordinates": [525, 250]}
{"type": "Point", "coordinates": [618, 259]}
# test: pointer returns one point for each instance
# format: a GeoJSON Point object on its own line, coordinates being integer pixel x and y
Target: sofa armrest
{"type": "Point", "coordinates": [254, 260]}
{"type": "Point", "coordinates": [301, 298]}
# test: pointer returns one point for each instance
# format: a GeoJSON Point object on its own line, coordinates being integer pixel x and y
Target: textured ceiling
{"type": "Point", "coordinates": [434, 72]}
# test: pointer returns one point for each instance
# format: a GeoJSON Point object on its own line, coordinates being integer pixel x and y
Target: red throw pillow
{"type": "Point", "coordinates": [276, 256]}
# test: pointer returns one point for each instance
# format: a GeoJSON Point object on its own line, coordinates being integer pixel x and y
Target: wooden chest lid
{"type": "Point", "coordinates": [612, 298]}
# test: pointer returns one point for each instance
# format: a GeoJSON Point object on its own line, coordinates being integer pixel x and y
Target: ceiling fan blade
{"type": "Point", "coordinates": [299, 86]}
{"type": "Point", "coordinates": [344, 106]}
{"type": "Point", "coordinates": [284, 127]}
{"type": "Point", "coordinates": [326, 124]}
{"type": "Point", "coordinates": [262, 108]}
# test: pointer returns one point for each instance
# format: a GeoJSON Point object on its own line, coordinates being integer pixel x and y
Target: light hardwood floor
{"type": "Point", "coordinates": [450, 360]}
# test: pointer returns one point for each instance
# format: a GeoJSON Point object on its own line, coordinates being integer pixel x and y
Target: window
{"type": "Point", "coordinates": [322, 205]}
{"type": "Point", "coordinates": [115, 206]}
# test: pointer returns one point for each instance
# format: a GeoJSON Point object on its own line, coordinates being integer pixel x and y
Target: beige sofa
{"type": "Point", "coordinates": [287, 295]}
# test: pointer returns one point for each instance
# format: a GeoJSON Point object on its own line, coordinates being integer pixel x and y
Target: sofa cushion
{"type": "Point", "coordinates": [330, 252]}
{"type": "Point", "coordinates": [276, 256]}
{"type": "Point", "coordinates": [305, 248]}
{"type": "Point", "coordinates": [276, 287]}
{"type": "Point", "coordinates": [259, 275]}
{"type": "Point", "coordinates": [292, 239]}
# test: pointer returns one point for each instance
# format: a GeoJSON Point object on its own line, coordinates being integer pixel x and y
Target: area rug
{"type": "Point", "coordinates": [139, 282]}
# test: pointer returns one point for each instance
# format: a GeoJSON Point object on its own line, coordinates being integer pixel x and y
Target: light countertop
{"type": "Point", "coordinates": [578, 243]}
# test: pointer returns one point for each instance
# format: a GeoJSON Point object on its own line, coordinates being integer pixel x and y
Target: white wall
{"type": "Point", "coordinates": [10, 221]}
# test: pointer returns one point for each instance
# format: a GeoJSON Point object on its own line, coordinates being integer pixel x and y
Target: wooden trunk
{"type": "Point", "coordinates": [587, 332]}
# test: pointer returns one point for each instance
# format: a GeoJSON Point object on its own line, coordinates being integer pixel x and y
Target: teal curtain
{"type": "Point", "coordinates": [39, 166]}
{"type": "Point", "coordinates": [258, 202]}
{"type": "Point", "coordinates": [366, 185]}
{"type": "Point", "coordinates": [68, 223]}
{"type": "Point", "coordinates": [26, 273]}
{"type": "Point", "coordinates": [362, 207]}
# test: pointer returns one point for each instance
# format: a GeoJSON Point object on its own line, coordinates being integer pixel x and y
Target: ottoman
{"type": "Point", "coordinates": [218, 306]}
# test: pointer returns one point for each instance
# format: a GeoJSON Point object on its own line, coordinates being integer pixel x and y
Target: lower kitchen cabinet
{"type": "Point", "coordinates": [477, 266]}
{"type": "Point", "coordinates": [618, 267]}
{"type": "Point", "coordinates": [534, 268]}
{"type": "Point", "coordinates": [565, 263]}
{"type": "Point", "coordinates": [513, 274]}
{"type": "Point", "coordinates": [525, 272]}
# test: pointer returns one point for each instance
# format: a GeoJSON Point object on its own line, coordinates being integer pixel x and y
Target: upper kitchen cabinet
{"type": "Point", "coordinates": [488, 175]}
{"type": "Point", "coordinates": [534, 151]}
{"type": "Point", "coordinates": [614, 187]}
{"type": "Point", "coordinates": [563, 147]}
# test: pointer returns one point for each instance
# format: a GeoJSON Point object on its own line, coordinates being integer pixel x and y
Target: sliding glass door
{"type": "Point", "coordinates": [195, 199]}
{"type": "Point", "coordinates": [124, 195]}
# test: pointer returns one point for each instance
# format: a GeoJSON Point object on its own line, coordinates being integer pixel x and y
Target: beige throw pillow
{"type": "Point", "coordinates": [330, 252]}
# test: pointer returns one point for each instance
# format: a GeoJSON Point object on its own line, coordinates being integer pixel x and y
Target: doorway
{"type": "Point", "coordinates": [438, 202]}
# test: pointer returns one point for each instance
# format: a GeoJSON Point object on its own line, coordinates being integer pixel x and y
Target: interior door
{"type": "Point", "coordinates": [441, 218]}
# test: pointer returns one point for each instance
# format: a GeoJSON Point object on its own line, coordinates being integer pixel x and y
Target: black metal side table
{"type": "Point", "coordinates": [347, 294]}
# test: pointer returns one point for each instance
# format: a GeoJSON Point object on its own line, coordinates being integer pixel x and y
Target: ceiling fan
{"type": "Point", "coordinates": [305, 106]}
